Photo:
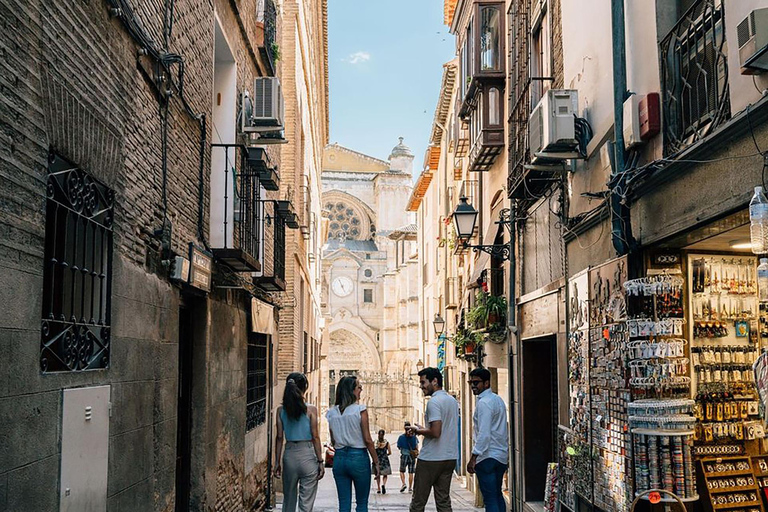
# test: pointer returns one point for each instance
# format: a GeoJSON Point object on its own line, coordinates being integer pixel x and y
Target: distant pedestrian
{"type": "Point", "coordinates": [408, 444]}
{"type": "Point", "coordinates": [490, 453]}
{"type": "Point", "coordinates": [351, 437]}
{"type": "Point", "coordinates": [383, 451]}
{"type": "Point", "coordinates": [437, 459]}
{"type": "Point", "coordinates": [302, 465]}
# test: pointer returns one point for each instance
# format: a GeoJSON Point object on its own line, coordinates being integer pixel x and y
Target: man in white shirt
{"type": "Point", "coordinates": [489, 455]}
{"type": "Point", "coordinates": [440, 449]}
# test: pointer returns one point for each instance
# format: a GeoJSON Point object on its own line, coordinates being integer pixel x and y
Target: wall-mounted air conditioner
{"type": "Point", "coordinates": [264, 111]}
{"type": "Point", "coordinates": [552, 125]}
{"type": "Point", "coordinates": [752, 35]}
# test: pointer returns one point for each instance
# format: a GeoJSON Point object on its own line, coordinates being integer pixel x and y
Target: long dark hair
{"type": "Point", "coordinates": [345, 392]}
{"type": "Point", "coordinates": [293, 397]}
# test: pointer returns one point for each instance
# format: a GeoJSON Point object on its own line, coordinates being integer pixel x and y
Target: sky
{"type": "Point", "coordinates": [386, 63]}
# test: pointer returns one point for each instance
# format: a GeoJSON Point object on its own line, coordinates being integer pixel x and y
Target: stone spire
{"type": "Point", "coordinates": [401, 158]}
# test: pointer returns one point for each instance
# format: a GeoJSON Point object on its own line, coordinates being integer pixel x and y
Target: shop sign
{"type": "Point", "coordinates": [201, 265]}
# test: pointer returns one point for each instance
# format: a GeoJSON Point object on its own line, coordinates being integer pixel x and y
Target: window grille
{"type": "Point", "coordinates": [256, 405]}
{"type": "Point", "coordinates": [694, 75]}
{"type": "Point", "coordinates": [77, 278]}
{"type": "Point", "coordinates": [368, 296]}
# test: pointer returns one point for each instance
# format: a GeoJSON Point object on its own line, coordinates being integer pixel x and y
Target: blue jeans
{"type": "Point", "coordinates": [352, 466]}
{"type": "Point", "coordinates": [490, 477]}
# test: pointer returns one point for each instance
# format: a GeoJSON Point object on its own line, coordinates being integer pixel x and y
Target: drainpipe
{"type": "Point", "coordinates": [621, 228]}
{"type": "Point", "coordinates": [513, 365]}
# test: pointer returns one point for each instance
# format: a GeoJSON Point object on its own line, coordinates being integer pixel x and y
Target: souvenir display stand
{"type": "Point", "coordinates": [724, 334]}
{"type": "Point", "coordinates": [661, 416]}
{"type": "Point", "coordinates": [662, 386]}
{"type": "Point", "coordinates": [730, 484]}
{"type": "Point", "coordinates": [760, 469]}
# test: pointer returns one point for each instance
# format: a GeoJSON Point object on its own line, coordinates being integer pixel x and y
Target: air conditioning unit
{"type": "Point", "coordinates": [264, 112]}
{"type": "Point", "coordinates": [752, 35]}
{"type": "Point", "coordinates": [552, 125]}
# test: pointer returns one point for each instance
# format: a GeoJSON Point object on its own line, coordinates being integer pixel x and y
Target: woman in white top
{"type": "Point", "coordinates": [351, 437]}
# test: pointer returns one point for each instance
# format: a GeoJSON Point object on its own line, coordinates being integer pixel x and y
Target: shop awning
{"type": "Point", "coordinates": [483, 262]}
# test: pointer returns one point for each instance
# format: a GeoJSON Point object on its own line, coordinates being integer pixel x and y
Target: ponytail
{"type": "Point", "coordinates": [293, 397]}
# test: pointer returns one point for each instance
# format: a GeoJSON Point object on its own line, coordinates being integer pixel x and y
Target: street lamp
{"type": "Point", "coordinates": [419, 365]}
{"type": "Point", "coordinates": [439, 324]}
{"type": "Point", "coordinates": [465, 217]}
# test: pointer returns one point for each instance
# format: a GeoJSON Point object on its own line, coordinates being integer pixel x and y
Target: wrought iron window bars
{"type": "Point", "coordinates": [77, 278]}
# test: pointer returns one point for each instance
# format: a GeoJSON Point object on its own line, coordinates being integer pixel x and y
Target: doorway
{"type": "Point", "coordinates": [184, 410]}
{"type": "Point", "coordinates": [539, 413]}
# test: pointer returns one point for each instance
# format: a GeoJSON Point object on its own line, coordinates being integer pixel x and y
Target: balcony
{"type": "Point", "coordinates": [482, 85]}
{"type": "Point", "coordinates": [235, 219]}
{"type": "Point", "coordinates": [482, 51]}
{"type": "Point", "coordinates": [694, 76]}
{"type": "Point", "coordinates": [272, 279]}
{"type": "Point", "coordinates": [266, 21]}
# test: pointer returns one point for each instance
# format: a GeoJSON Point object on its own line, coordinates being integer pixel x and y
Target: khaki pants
{"type": "Point", "coordinates": [432, 474]}
{"type": "Point", "coordinates": [300, 471]}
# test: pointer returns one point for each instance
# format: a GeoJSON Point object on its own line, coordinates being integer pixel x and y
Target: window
{"type": "Point", "coordinates": [367, 256]}
{"type": "Point", "coordinates": [368, 272]}
{"type": "Point", "coordinates": [306, 367]}
{"type": "Point", "coordinates": [77, 278]}
{"type": "Point", "coordinates": [368, 296]}
{"type": "Point", "coordinates": [694, 75]}
{"type": "Point", "coordinates": [490, 38]}
{"type": "Point", "coordinates": [256, 401]}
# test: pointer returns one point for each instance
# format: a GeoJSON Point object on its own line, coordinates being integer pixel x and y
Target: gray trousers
{"type": "Point", "coordinates": [300, 469]}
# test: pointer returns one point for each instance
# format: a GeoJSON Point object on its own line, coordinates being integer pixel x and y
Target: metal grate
{"type": "Point", "coordinates": [242, 183]}
{"type": "Point", "coordinates": [519, 101]}
{"type": "Point", "coordinates": [258, 355]}
{"type": "Point", "coordinates": [279, 252]}
{"type": "Point", "coordinates": [77, 279]}
{"type": "Point", "coordinates": [694, 75]}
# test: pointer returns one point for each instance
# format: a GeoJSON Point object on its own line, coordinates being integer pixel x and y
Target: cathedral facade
{"type": "Point", "coordinates": [370, 282]}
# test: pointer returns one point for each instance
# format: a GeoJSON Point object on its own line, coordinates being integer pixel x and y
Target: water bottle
{"type": "Point", "coordinates": [758, 217]}
{"type": "Point", "coordinates": [762, 280]}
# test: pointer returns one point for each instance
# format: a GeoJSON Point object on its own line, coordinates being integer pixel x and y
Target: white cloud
{"type": "Point", "coordinates": [358, 57]}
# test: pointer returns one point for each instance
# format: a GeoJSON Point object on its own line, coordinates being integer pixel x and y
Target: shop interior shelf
{"type": "Point", "coordinates": [738, 505]}
{"type": "Point", "coordinates": [732, 489]}
{"type": "Point", "coordinates": [665, 499]}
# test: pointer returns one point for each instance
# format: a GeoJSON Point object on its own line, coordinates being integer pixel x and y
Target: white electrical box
{"type": "Point", "coordinates": [632, 121]}
{"type": "Point", "coordinates": [180, 269]}
{"type": "Point", "coordinates": [552, 126]}
{"type": "Point", "coordinates": [84, 449]}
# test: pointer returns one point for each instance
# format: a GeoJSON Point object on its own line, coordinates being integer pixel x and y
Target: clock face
{"type": "Point", "coordinates": [342, 286]}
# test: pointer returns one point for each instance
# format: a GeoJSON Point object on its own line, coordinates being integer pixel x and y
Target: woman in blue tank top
{"type": "Point", "coordinates": [302, 465]}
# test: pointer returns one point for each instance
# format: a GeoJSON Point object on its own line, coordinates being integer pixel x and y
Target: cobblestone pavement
{"type": "Point", "coordinates": [462, 500]}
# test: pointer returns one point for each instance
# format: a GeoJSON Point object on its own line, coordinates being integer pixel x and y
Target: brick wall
{"type": "Point", "coordinates": [70, 82]}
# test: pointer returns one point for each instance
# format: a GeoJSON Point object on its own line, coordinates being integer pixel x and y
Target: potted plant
{"type": "Point", "coordinates": [465, 342]}
{"type": "Point", "coordinates": [477, 316]}
{"type": "Point", "coordinates": [495, 309]}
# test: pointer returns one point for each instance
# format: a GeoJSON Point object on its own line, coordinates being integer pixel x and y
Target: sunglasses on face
{"type": "Point", "coordinates": [474, 382]}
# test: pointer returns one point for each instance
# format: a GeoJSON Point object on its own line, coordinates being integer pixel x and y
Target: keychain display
{"type": "Point", "coordinates": [731, 482]}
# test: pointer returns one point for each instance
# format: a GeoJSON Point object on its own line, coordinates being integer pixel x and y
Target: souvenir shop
{"type": "Point", "coordinates": [664, 404]}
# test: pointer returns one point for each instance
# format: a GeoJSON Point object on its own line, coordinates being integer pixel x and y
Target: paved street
{"type": "Point", "coordinates": [462, 499]}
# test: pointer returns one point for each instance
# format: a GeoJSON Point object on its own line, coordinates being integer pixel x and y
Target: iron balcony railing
{"type": "Point", "coordinates": [694, 75]}
{"type": "Point", "coordinates": [267, 15]}
{"type": "Point", "coordinates": [237, 231]}
{"type": "Point", "coordinates": [272, 277]}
